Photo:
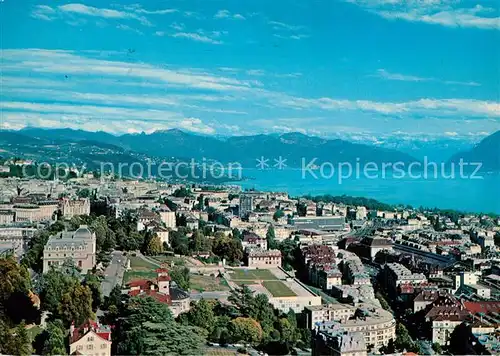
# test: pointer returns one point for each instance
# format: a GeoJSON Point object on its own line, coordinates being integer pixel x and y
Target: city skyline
{"type": "Point", "coordinates": [359, 69]}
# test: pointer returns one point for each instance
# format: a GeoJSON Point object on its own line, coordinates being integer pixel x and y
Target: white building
{"type": "Point", "coordinates": [79, 246]}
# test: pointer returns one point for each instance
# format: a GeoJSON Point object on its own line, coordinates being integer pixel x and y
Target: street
{"type": "Point", "coordinates": [113, 274]}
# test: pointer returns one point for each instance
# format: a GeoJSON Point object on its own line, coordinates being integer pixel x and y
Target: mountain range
{"type": "Point", "coordinates": [79, 146]}
{"type": "Point", "coordinates": [487, 152]}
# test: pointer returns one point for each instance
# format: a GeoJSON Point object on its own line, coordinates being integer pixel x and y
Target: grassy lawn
{"type": "Point", "coordinates": [207, 283]}
{"type": "Point", "coordinates": [34, 331]}
{"type": "Point", "coordinates": [252, 275]}
{"type": "Point", "coordinates": [131, 275]}
{"type": "Point", "coordinates": [138, 264]}
{"type": "Point", "coordinates": [278, 289]}
{"type": "Point", "coordinates": [178, 261]}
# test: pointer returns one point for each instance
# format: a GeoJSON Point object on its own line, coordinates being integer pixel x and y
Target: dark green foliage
{"type": "Point", "coordinates": [180, 275]}
{"type": "Point", "coordinates": [15, 340]}
{"type": "Point", "coordinates": [271, 238]}
{"type": "Point", "coordinates": [147, 327]}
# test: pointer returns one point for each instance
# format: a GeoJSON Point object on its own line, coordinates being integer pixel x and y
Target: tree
{"type": "Point", "coordinates": [199, 242]}
{"type": "Point", "coordinates": [52, 339]}
{"type": "Point", "coordinates": [261, 310]}
{"type": "Point", "coordinates": [242, 299]}
{"type": "Point", "coordinates": [236, 234]}
{"type": "Point", "coordinates": [146, 326]}
{"type": "Point", "coordinates": [271, 238]}
{"type": "Point", "coordinates": [403, 339]}
{"type": "Point", "coordinates": [105, 237]}
{"type": "Point", "coordinates": [246, 329]}
{"type": "Point", "coordinates": [228, 248]}
{"type": "Point", "coordinates": [154, 246]}
{"type": "Point", "coordinates": [93, 282]}
{"type": "Point", "coordinates": [171, 339]}
{"type": "Point", "coordinates": [278, 214]}
{"type": "Point", "coordinates": [83, 193]}
{"type": "Point", "coordinates": [14, 341]}
{"type": "Point", "coordinates": [437, 348]}
{"type": "Point", "coordinates": [202, 315]}
{"type": "Point", "coordinates": [179, 242]}
{"type": "Point", "coordinates": [180, 275]}
{"type": "Point", "coordinates": [14, 278]}
{"type": "Point", "coordinates": [51, 286]}
{"type": "Point", "coordinates": [76, 305]}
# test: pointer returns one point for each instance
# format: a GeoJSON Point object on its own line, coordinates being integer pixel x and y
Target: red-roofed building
{"type": "Point", "coordinates": [162, 290]}
{"type": "Point", "coordinates": [482, 307]}
{"type": "Point", "coordinates": [90, 338]}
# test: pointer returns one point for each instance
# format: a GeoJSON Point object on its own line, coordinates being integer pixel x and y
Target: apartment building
{"type": "Point", "coordinates": [376, 324]}
{"type": "Point", "coordinates": [70, 208]}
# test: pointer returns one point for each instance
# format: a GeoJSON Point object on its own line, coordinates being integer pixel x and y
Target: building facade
{"type": "Point", "coordinates": [79, 246]}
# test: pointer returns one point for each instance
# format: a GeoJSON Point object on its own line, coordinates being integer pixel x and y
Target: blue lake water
{"type": "Point", "coordinates": [471, 195]}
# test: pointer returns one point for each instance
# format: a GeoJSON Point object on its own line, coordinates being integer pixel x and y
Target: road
{"type": "Point", "coordinates": [113, 274]}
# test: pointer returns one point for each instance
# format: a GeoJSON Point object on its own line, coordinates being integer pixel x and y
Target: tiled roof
{"type": "Point", "coordinates": [482, 307]}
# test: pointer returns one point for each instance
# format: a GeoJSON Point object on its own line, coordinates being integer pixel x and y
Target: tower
{"type": "Point", "coordinates": [163, 280]}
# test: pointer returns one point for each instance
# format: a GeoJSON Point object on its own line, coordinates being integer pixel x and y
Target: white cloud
{"type": "Point", "coordinates": [384, 74]}
{"type": "Point", "coordinates": [160, 33]}
{"type": "Point", "coordinates": [196, 37]}
{"type": "Point", "coordinates": [69, 63]}
{"type": "Point", "coordinates": [256, 72]}
{"type": "Point", "coordinates": [436, 107]}
{"type": "Point", "coordinates": [449, 13]}
{"type": "Point", "coordinates": [43, 12]}
{"type": "Point", "coordinates": [225, 14]}
{"type": "Point", "coordinates": [283, 26]}
{"type": "Point", "coordinates": [70, 13]}
{"type": "Point", "coordinates": [177, 26]}
{"type": "Point", "coordinates": [128, 28]}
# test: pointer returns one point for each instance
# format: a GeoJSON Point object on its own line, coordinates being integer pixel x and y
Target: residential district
{"type": "Point", "coordinates": [102, 266]}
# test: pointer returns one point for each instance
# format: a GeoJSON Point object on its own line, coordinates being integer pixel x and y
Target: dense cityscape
{"type": "Point", "coordinates": [228, 178]}
{"type": "Point", "coordinates": [108, 266]}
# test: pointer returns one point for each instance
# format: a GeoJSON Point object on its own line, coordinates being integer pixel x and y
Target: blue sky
{"type": "Point", "coordinates": [358, 69]}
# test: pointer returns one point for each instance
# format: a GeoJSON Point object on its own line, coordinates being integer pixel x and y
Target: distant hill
{"type": "Point", "coordinates": [487, 152]}
{"type": "Point", "coordinates": [246, 149]}
{"type": "Point", "coordinates": [294, 147]}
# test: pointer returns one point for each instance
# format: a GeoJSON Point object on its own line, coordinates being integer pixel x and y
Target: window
{"type": "Point", "coordinates": [91, 338]}
{"type": "Point", "coordinates": [103, 346]}
{"type": "Point", "coordinates": [90, 347]}
{"type": "Point", "coordinates": [79, 347]}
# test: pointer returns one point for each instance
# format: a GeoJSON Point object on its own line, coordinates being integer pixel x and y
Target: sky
{"type": "Point", "coordinates": [354, 69]}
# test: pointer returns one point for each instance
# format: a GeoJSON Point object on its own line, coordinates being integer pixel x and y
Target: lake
{"type": "Point", "coordinates": [471, 195]}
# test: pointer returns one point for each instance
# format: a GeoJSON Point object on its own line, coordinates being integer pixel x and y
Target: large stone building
{"type": "Point", "coordinates": [396, 275]}
{"type": "Point", "coordinates": [328, 312]}
{"type": "Point", "coordinates": [70, 208]}
{"type": "Point", "coordinates": [376, 324]}
{"type": "Point", "coordinates": [247, 204]}
{"type": "Point", "coordinates": [79, 246]}
{"type": "Point", "coordinates": [337, 342]}
{"type": "Point", "coordinates": [263, 259]}
{"type": "Point", "coordinates": [16, 238]}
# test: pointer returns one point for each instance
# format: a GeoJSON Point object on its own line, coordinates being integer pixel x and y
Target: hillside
{"type": "Point", "coordinates": [486, 152]}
